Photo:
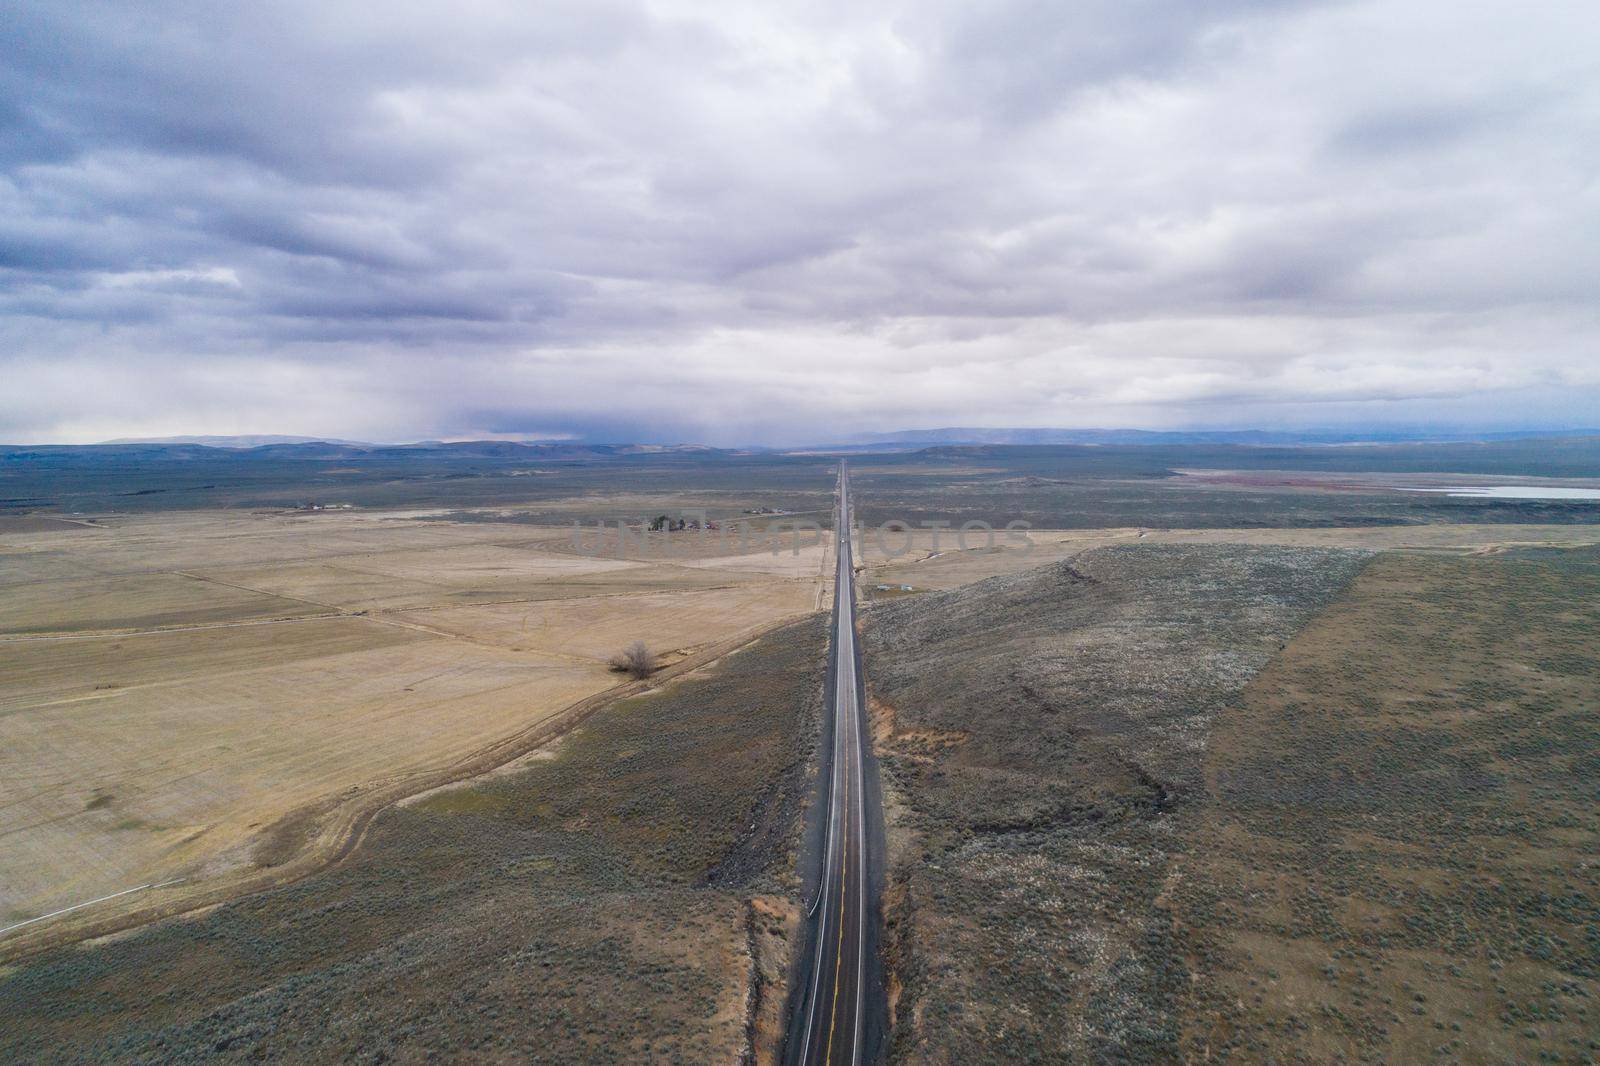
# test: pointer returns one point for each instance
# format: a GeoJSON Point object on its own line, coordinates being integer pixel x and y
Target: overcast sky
{"type": "Point", "coordinates": [740, 224]}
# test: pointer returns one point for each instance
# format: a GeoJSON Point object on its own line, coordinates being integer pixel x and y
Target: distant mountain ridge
{"type": "Point", "coordinates": [247, 440]}
{"type": "Point", "coordinates": [316, 448]}
{"type": "Point", "coordinates": [923, 438]}
{"type": "Point", "coordinates": [296, 447]}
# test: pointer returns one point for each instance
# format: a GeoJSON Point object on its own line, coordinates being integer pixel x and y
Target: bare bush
{"type": "Point", "coordinates": [636, 660]}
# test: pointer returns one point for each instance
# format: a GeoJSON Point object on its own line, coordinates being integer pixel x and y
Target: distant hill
{"type": "Point", "coordinates": [922, 438]}
{"type": "Point", "coordinates": [278, 446]}
{"type": "Point", "coordinates": [255, 440]}
{"type": "Point", "coordinates": [248, 448]}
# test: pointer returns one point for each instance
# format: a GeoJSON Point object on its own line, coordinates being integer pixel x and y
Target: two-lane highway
{"type": "Point", "coordinates": [834, 1019]}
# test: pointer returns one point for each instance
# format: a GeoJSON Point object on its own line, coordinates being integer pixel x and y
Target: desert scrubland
{"type": "Point", "coordinates": [1245, 802]}
{"type": "Point", "coordinates": [929, 561]}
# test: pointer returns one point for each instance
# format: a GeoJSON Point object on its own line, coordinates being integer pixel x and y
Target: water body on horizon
{"type": "Point", "coordinates": [1515, 492]}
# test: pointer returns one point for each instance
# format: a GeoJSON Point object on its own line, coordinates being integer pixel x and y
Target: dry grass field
{"type": "Point", "coordinates": [175, 687]}
{"type": "Point", "coordinates": [622, 895]}
{"type": "Point", "coordinates": [135, 601]}
{"type": "Point", "coordinates": [593, 628]}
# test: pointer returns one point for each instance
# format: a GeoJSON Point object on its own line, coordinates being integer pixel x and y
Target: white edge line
{"type": "Point", "coordinates": [833, 805]}
{"type": "Point", "coordinates": [857, 727]}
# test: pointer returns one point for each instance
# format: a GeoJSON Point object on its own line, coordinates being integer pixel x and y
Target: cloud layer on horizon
{"type": "Point", "coordinates": [718, 223]}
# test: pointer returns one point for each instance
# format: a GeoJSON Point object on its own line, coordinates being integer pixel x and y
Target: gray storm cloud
{"type": "Point", "coordinates": [747, 224]}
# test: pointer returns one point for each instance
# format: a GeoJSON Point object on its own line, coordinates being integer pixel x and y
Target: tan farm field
{"type": "Point", "coordinates": [193, 703]}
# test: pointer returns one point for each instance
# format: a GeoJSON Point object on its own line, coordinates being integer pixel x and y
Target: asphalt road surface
{"type": "Point", "coordinates": [838, 1017]}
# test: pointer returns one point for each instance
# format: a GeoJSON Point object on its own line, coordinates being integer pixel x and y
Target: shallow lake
{"type": "Point", "coordinates": [1518, 492]}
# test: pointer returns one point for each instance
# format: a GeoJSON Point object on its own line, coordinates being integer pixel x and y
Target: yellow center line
{"type": "Point", "coordinates": [844, 880]}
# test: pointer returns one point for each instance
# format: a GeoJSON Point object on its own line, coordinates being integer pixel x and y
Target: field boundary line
{"type": "Point", "coordinates": [91, 903]}
{"type": "Point", "coordinates": [119, 634]}
{"type": "Point", "coordinates": [258, 592]}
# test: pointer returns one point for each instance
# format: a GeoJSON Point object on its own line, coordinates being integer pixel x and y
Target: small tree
{"type": "Point", "coordinates": [635, 660]}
